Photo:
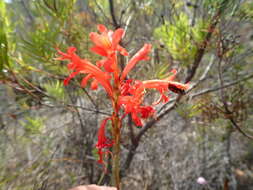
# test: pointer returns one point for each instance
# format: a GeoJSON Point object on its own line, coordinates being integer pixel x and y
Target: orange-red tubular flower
{"type": "Point", "coordinates": [131, 98]}
{"type": "Point", "coordinates": [132, 105]}
{"type": "Point", "coordinates": [107, 42]}
{"type": "Point", "coordinates": [78, 65]}
{"type": "Point", "coordinates": [166, 84]}
{"type": "Point", "coordinates": [142, 54]}
{"type": "Point", "coordinates": [103, 141]}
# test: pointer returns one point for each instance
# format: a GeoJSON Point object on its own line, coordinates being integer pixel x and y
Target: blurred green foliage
{"type": "Point", "coordinates": [246, 10]}
{"type": "Point", "coordinates": [3, 38]}
{"type": "Point", "coordinates": [180, 38]}
{"type": "Point", "coordinates": [55, 90]}
{"type": "Point", "coordinates": [33, 126]}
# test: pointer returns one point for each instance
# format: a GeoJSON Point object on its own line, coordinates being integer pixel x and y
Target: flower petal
{"type": "Point", "coordinates": [98, 50]}
{"type": "Point", "coordinates": [100, 40]}
{"type": "Point", "coordinates": [67, 55]}
{"type": "Point", "coordinates": [72, 75]}
{"type": "Point", "coordinates": [142, 54]}
{"type": "Point", "coordinates": [101, 28]}
{"type": "Point", "coordinates": [71, 50]}
{"type": "Point", "coordinates": [173, 76]}
{"type": "Point", "coordinates": [122, 50]}
{"type": "Point", "coordinates": [85, 80]}
{"type": "Point", "coordinates": [94, 84]}
{"type": "Point", "coordinates": [116, 37]}
{"type": "Point", "coordinates": [136, 119]}
{"type": "Point", "coordinates": [100, 154]}
{"type": "Point", "coordinates": [103, 142]}
{"type": "Point", "coordinates": [146, 111]}
{"type": "Point", "coordinates": [108, 66]}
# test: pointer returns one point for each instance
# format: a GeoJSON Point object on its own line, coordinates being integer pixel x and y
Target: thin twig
{"type": "Point", "coordinates": [128, 22]}
{"type": "Point", "coordinates": [202, 47]}
{"type": "Point", "coordinates": [208, 90]}
{"type": "Point", "coordinates": [203, 77]}
{"type": "Point", "coordinates": [101, 10]}
{"type": "Point", "coordinates": [16, 85]}
{"type": "Point", "coordinates": [114, 20]}
{"type": "Point", "coordinates": [225, 105]}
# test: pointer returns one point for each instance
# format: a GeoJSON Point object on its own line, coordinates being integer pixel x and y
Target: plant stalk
{"type": "Point", "coordinates": [116, 153]}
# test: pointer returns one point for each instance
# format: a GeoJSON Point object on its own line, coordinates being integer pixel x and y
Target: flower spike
{"type": "Point", "coordinates": [125, 94]}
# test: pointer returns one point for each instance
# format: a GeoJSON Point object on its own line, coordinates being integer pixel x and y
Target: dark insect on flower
{"type": "Point", "coordinates": [176, 88]}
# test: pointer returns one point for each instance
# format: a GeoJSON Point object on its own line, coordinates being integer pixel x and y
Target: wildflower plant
{"type": "Point", "coordinates": [126, 95]}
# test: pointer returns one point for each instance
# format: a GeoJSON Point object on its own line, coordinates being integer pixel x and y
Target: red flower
{"type": "Point", "coordinates": [107, 42]}
{"type": "Point", "coordinates": [132, 93]}
{"type": "Point", "coordinates": [107, 45]}
{"type": "Point", "coordinates": [166, 84]}
{"type": "Point", "coordinates": [83, 66]}
{"type": "Point", "coordinates": [132, 105]}
{"type": "Point", "coordinates": [103, 141]}
{"type": "Point", "coordinates": [142, 54]}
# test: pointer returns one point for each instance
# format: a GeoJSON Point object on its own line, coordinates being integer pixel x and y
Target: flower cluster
{"type": "Point", "coordinates": [125, 94]}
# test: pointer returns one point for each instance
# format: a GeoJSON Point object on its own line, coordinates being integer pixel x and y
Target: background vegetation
{"type": "Point", "coordinates": [48, 131]}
